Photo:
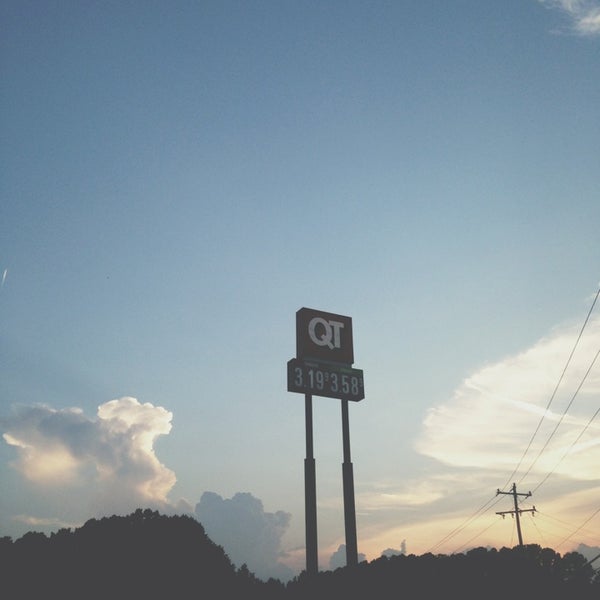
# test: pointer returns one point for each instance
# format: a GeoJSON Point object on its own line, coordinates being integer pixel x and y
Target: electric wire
{"type": "Point", "coordinates": [532, 519]}
{"type": "Point", "coordinates": [493, 500]}
{"type": "Point", "coordinates": [494, 522]}
{"type": "Point", "coordinates": [561, 418]}
{"type": "Point", "coordinates": [512, 533]}
{"type": "Point", "coordinates": [580, 527]}
{"type": "Point", "coordinates": [539, 485]}
{"type": "Point", "coordinates": [555, 389]}
{"type": "Point", "coordinates": [562, 524]}
{"type": "Point", "coordinates": [589, 562]}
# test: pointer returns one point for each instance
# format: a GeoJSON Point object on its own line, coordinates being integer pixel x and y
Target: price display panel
{"type": "Point", "coordinates": [325, 379]}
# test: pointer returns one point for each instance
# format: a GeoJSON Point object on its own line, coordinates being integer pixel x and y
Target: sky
{"type": "Point", "coordinates": [177, 179]}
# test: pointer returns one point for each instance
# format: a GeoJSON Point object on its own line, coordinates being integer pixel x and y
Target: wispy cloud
{"type": "Point", "coordinates": [476, 440]}
{"type": "Point", "coordinates": [493, 414]}
{"type": "Point", "coordinates": [584, 15]}
{"type": "Point", "coordinates": [53, 523]}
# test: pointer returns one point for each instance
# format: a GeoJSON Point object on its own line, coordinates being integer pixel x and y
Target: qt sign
{"type": "Point", "coordinates": [324, 336]}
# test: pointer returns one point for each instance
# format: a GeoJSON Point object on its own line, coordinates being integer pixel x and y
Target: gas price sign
{"type": "Point", "coordinates": [323, 379]}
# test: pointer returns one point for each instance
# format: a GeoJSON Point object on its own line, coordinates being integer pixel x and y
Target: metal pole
{"type": "Point", "coordinates": [310, 494]}
{"type": "Point", "coordinates": [348, 482]}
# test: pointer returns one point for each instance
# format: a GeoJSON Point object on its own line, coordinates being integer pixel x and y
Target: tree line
{"type": "Point", "coordinates": [148, 556]}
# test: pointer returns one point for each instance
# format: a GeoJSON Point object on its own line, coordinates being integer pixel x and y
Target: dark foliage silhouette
{"type": "Point", "coordinates": [143, 555]}
{"type": "Point", "coordinates": [528, 572]}
{"type": "Point", "coordinates": [148, 556]}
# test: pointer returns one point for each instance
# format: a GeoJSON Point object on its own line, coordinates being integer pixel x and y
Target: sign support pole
{"type": "Point", "coordinates": [348, 483]}
{"type": "Point", "coordinates": [310, 494]}
{"type": "Point", "coordinates": [323, 367]}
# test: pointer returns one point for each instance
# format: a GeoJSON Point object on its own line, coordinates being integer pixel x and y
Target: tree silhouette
{"type": "Point", "coordinates": [143, 555]}
{"type": "Point", "coordinates": [150, 556]}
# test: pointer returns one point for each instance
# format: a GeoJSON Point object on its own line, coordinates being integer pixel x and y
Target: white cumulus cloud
{"type": "Point", "coordinates": [248, 534]}
{"type": "Point", "coordinates": [110, 459]}
{"type": "Point", "coordinates": [338, 559]}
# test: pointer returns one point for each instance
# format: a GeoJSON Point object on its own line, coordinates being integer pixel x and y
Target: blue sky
{"type": "Point", "coordinates": [177, 179]}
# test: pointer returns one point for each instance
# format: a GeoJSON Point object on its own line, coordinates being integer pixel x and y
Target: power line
{"type": "Point", "coordinates": [580, 527]}
{"type": "Point", "coordinates": [561, 418]}
{"type": "Point", "coordinates": [562, 524]}
{"type": "Point", "coordinates": [555, 389]}
{"type": "Point", "coordinates": [568, 450]}
{"type": "Point", "coordinates": [493, 500]}
{"type": "Point", "coordinates": [474, 537]}
{"type": "Point", "coordinates": [589, 562]}
{"type": "Point", "coordinates": [532, 517]}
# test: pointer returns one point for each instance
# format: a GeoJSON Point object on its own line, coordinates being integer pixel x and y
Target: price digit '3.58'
{"type": "Point", "coordinates": [333, 378]}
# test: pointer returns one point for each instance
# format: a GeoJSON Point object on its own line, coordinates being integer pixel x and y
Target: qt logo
{"type": "Point", "coordinates": [328, 334]}
{"type": "Point", "coordinates": [324, 336]}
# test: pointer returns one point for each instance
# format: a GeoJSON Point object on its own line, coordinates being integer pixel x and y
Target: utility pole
{"type": "Point", "coordinates": [517, 511]}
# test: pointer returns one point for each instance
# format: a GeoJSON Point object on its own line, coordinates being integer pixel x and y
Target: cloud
{"type": "Point", "coordinates": [248, 534]}
{"type": "Point", "coordinates": [338, 558]}
{"type": "Point", "coordinates": [393, 552]}
{"type": "Point", "coordinates": [82, 467]}
{"type": "Point", "coordinates": [414, 492]}
{"type": "Point", "coordinates": [492, 416]}
{"type": "Point", "coordinates": [109, 459]}
{"type": "Point", "coordinates": [583, 14]}
{"type": "Point", "coordinates": [473, 442]}
{"type": "Point", "coordinates": [590, 552]}
{"type": "Point", "coordinates": [37, 522]}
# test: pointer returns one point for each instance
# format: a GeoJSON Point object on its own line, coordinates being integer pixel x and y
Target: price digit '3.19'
{"type": "Point", "coordinates": [316, 379]}
{"type": "Point", "coordinates": [320, 379]}
{"type": "Point", "coordinates": [298, 377]}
